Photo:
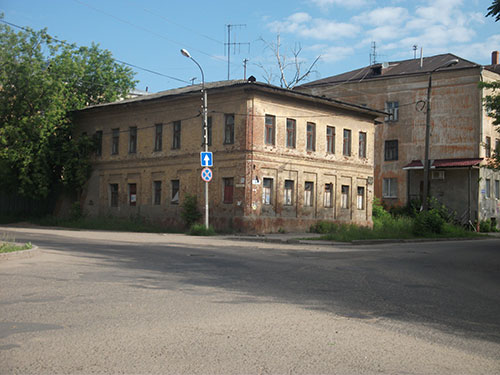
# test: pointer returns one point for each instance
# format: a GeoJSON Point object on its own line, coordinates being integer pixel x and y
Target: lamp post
{"type": "Point", "coordinates": [205, 126]}
{"type": "Point", "coordinates": [428, 131]}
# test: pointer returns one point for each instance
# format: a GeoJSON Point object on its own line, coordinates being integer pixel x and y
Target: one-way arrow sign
{"type": "Point", "coordinates": [206, 159]}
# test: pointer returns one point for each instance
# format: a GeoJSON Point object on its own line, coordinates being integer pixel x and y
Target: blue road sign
{"type": "Point", "coordinates": [206, 174]}
{"type": "Point", "coordinates": [206, 159]}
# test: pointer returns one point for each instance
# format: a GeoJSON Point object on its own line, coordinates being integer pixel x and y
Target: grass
{"type": "Point", "coordinates": [137, 224]}
{"type": "Point", "coordinates": [387, 227]}
{"type": "Point", "coordinates": [7, 247]}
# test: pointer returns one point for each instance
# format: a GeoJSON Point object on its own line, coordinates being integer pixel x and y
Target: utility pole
{"type": "Point", "coordinates": [245, 68]}
{"type": "Point", "coordinates": [230, 44]}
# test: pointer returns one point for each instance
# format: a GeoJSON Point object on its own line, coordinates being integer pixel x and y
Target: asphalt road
{"type": "Point", "coordinates": [103, 302]}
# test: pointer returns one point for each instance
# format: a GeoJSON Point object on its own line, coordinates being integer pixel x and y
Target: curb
{"type": "Point", "coordinates": [21, 254]}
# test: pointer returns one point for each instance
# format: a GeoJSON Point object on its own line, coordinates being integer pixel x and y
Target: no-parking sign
{"type": "Point", "coordinates": [206, 174]}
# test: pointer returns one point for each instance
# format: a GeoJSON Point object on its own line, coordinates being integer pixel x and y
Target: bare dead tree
{"type": "Point", "coordinates": [285, 64]}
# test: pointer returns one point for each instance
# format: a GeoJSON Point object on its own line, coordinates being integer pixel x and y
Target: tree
{"type": "Point", "coordinates": [42, 80]}
{"type": "Point", "coordinates": [290, 70]}
{"type": "Point", "coordinates": [494, 10]}
{"type": "Point", "coordinates": [492, 105]}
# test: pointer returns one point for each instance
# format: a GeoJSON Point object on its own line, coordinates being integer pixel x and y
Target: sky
{"type": "Point", "coordinates": [150, 33]}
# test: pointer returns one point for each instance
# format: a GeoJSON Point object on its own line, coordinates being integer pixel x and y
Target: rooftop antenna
{"type": "Point", "coordinates": [230, 44]}
{"type": "Point", "coordinates": [373, 54]}
{"type": "Point", "coordinates": [415, 48]}
{"type": "Point", "coordinates": [245, 68]}
{"type": "Point", "coordinates": [192, 80]}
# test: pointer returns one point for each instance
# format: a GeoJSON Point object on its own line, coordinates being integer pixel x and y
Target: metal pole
{"type": "Point", "coordinates": [427, 139]}
{"type": "Point", "coordinates": [205, 124]}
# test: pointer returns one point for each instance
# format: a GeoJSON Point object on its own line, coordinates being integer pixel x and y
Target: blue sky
{"type": "Point", "coordinates": [150, 33]}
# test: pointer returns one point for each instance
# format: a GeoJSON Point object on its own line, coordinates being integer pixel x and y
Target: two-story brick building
{"type": "Point", "coordinates": [282, 159]}
{"type": "Point", "coordinates": [462, 135]}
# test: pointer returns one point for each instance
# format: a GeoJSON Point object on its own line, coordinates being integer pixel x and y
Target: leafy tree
{"type": "Point", "coordinates": [42, 80]}
{"type": "Point", "coordinates": [494, 10]}
{"type": "Point", "coordinates": [492, 105]}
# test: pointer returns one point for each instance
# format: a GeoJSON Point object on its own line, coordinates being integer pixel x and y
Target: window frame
{"type": "Point", "coordinates": [132, 194]}
{"type": "Point", "coordinates": [288, 193]}
{"type": "Point", "coordinates": [362, 145]}
{"type": "Point", "coordinates": [158, 137]}
{"type": "Point", "coordinates": [115, 141]}
{"type": "Point", "coordinates": [291, 133]}
{"type": "Point", "coordinates": [344, 197]}
{"type": "Point", "coordinates": [310, 136]}
{"type": "Point", "coordinates": [347, 142]}
{"type": "Point", "coordinates": [487, 146]}
{"type": "Point", "coordinates": [267, 191]}
{"type": "Point", "coordinates": [157, 192]}
{"type": "Point", "coordinates": [176, 135]}
{"type": "Point", "coordinates": [390, 188]}
{"type": "Point", "coordinates": [328, 195]}
{"type": "Point", "coordinates": [392, 107]}
{"type": "Point", "coordinates": [175, 191]}
{"type": "Point", "coordinates": [497, 189]}
{"type": "Point", "coordinates": [391, 150]}
{"type": "Point", "coordinates": [270, 130]}
{"type": "Point", "coordinates": [98, 142]}
{"type": "Point", "coordinates": [360, 198]}
{"type": "Point", "coordinates": [488, 187]}
{"type": "Point", "coordinates": [114, 195]}
{"type": "Point", "coordinates": [308, 194]}
{"type": "Point", "coordinates": [132, 140]}
{"type": "Point", "coordinates": [330, 140]}
{"type": "Point", "coordinates": [229, 124]}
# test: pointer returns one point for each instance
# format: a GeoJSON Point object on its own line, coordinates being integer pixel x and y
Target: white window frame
{"type": "Point", "coordinates": [390, 188]}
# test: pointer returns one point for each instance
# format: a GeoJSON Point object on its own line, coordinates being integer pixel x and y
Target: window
{"type": "Point", "coordinates": [330, 139]}
{"type": "Point", "coordinates": [487, 146]}
{"type": "Point", "coordinates": [362, 145]}
{"type": "Point", "coordinates": [497, 146]}
{"type": "Point", "coordinates": [290, 132]}
{"type": "Point", "coordinates": [158, 137]}
{"type": "Point", "coordinates": [228, 190]}
{"type": "Point", "coordinates": [347, 143]}
{"type": "Point", "coordinates": [229, 129]}
{"type": "Point", "coordinates": [270, 130]}
{"type": "Point", "coordinates": [288, 197]}
{"type": "Point", "coordinates": [308, 194]}
{"type": "Point", "coordinates": [157, 192]}
{"type": "Point", "coordinates": [132, 194]}
{"type": "Point", "coordinates": [175, 191]}
{"type": "Point", "coordinates": [361, 198]}
{"type": "Point", "coordinates": [488, 188]}
{"type": "Point", "coordinates": [497, 189]}
{"type": "Point", "coordinates": [390, 188]}
{"type": "Point", "coordinates": [311, 136]}
{"type": "Point", "coordinates": [209, 132]}
{"type": "Point", "coordinates": [393, 109]}
{"type": "Point", "coordinates": [327, 199]}
{"type": "Point", "coordinates": [267, 191]}
{"type": "Point", "coordinates": [132, 140]}
{"type": "Point", "coordinates": [98, 142]}
{"type": "Point", "coordinates": [113, 192]}
{"type": "Point", "coordinates": [115, 142]}
{"type": "Point", "coordinates": [344, 198]}
{"type": "Point", "coordinates": [391, 150]}
{"type": "Point", "coordinates": [176, 140]}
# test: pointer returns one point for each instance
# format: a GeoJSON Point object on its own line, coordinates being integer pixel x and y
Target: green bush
{"type": "Point", "coordinates": [190, 213]}
{"type": "Point", "coordinates": [428, 222]}
{"type": "Point", "coordinates": [323, 227]}
{"type": "Point", "coordinates": [487, 226]}
{"type": "Point", "coordinates": [200, 230]}
{"type": "Point", "coordinates": [378, 210]}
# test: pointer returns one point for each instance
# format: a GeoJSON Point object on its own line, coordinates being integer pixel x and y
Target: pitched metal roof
{"type": "Point", "coordinates": [250, 83]}
{"type": "Point", "coordinates": [446, 163]}
{"type": "Point", "coordinates": [399, 69]}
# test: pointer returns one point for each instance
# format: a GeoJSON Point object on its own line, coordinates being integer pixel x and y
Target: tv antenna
{"type": "Point", "coordinates": [373, 54]}
{"type": "Point", "coordinates": [230, 44]}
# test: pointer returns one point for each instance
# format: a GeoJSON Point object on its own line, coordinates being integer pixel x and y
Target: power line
{"type": "Point", "coordinates": [117, 60]}
{"type": "Point", "coordinates": [149, 31]}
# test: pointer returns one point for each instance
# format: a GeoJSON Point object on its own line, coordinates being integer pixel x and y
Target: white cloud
{"type": "Point", "coordinates": [383, 16]}
{"type": "Point", "coordinates": [347, 4]}
{"type": "Point", "coordinates": [302, 24]}
{"type": "Point", "coordinates": [332, 53]}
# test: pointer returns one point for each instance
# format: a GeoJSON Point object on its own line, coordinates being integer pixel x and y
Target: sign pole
{"type": "Point", "coordinates": [205, 135]}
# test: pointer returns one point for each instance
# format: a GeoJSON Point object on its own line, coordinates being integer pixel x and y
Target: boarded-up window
{"type": "Point", "coordinates": [308, 194]}
{"type": "Point", "coordinates": [361, 198]}
{"type": "Point", "coordinates": [157, 192]}
{"type": "Point", "coordinates": [228, 190]}
{"type": "Point", "coordinates": [362, 145]}
{"type": "Point", "coordinates": [113, 192]}
{"type": "Point", "coordinates": [288, 194]}
{"type": "Point", "coordinates": [175, 191]}
{"type": "Point", "coordinates": [327, 198]}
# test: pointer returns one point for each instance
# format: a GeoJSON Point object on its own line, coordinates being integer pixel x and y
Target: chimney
{"type": "Point", "coordinates": [494, 57]}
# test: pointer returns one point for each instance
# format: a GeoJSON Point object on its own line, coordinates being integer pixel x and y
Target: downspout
{"type": "Point", "coordinates": [481, 124]}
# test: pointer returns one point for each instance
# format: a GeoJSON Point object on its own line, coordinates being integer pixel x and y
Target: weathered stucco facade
{"type": "Point", "coordinates": [460, 130]}
{"type": "Point", "coordinates": [274, 164]}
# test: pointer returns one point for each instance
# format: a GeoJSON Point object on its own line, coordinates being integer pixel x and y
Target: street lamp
{"type": "Point", "coordinates": [205, 126]}
{"type": "Point", "coordinates": [427, 132]}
